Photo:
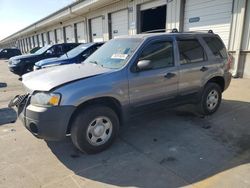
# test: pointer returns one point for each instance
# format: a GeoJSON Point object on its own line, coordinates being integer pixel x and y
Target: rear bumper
{"type": "Point", "coordinates": [49, 123]}
{"type": "Point", "coordinates": [227, 78]}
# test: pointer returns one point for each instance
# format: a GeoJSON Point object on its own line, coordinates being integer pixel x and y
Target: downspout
{"type": "Point", "coordinates": [239, 43]}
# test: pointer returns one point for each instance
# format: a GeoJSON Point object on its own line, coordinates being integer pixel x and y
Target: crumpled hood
{"type": "Point", "coordinates": [27, 56]}
{"type": "Point", "coordinates": [50, 61]}
{"type": "Point", "coordinates": [47, 79]}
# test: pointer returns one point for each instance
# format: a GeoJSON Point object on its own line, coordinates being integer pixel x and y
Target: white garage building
{"type": "Point", "coordinates": [101, 20]}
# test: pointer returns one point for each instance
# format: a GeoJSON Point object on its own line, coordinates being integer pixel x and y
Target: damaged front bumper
{"type": "Point", "coordinates": [49, 123]}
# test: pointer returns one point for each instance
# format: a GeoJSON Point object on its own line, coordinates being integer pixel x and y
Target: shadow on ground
{"type": "Point", "coordinates": [7, 115]}
{"type": "Point", "coordinates": [2, 84]}
{"type": "Point", "coordinates": [173, 148]}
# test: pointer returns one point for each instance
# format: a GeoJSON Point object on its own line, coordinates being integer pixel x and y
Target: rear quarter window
{"type": "Point", "coordinates": [216, 46]}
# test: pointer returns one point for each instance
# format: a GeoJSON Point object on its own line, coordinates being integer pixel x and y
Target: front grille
{"type": "Point", "coordinates": [18, 100]}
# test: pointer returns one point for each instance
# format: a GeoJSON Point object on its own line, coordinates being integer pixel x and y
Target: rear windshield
{"type": "Point", "coordinates": [216, 46]}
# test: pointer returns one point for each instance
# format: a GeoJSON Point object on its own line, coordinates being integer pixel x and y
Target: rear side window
{"type": "Point", "coordinates": [69, 47]}
{"type": "Point", "coordinates": [190, 51]}
{"type": "Point", "coordinates": [159, 53]}
{"type": "Point", "coordinates": [216, 46]}
{"type": "Point", "coordinates": [57, 50]}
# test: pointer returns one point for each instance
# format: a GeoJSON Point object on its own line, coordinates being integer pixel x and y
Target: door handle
{"type": "Point", "coordinates": [170, 75]}
{"type": "Point", "coordinates": [203, 69]}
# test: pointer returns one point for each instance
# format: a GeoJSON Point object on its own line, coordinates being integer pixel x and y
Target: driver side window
{"type": "Point", "coordinates": [160, 54]}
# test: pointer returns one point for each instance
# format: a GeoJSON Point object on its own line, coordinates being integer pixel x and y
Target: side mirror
{"type": "Point", "coordinates": [144, 65]}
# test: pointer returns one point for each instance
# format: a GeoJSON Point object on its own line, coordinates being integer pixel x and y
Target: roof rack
{"type": "Point", "coordinates": [207, 31]}
{"type": "Point", "coordinates": [155, 31]}
{"type": "Point", "coordinates": [174, 30]}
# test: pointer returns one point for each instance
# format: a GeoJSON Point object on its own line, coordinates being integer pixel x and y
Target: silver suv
{"type": "Point", "coordinates": [89, 101]}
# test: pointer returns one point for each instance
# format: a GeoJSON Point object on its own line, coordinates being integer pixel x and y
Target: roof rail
{"type": "Point", "coordinates": [208, 31]}
{"type": "Point", "coordinates": [155, 31]}
{"type": "Point", "coordinates": [174, 30]}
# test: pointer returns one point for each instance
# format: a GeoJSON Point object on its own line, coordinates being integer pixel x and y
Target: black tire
{"type": "Point", "coordinates": [203, 107]}
{"type": "Point", "coordinates": [81, 123]}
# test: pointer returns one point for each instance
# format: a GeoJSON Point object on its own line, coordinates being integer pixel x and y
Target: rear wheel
{"type": "Point", "coordinates": [211, 99]}
{"type": "Point", "coordinates": [94, 129]}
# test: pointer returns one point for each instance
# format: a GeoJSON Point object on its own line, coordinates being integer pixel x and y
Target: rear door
{"type": "Point", "coordinates": [158, 83]}
{"type": "Point", "coordinates": [192, 60]}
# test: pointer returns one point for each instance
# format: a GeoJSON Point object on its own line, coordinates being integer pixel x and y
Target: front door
{"type": "Point", "coordinates": [159, 81]}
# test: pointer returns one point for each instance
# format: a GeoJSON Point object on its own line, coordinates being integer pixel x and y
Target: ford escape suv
{"type": "Point", "coordinates": [89, 101]}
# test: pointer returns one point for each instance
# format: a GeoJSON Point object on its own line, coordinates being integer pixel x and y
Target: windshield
{"type": "Point", "coordinates": [76, 51]}
{"type": "Point", "coordinates": [115, 53]}
{"type": "Point", "coordinates": [43, 49]}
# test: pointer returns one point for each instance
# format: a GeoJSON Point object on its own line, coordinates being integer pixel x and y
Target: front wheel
{"type": "Point", "coordinates": [94, 129]}
{"type": "Point", "coordinates": [210, 99]}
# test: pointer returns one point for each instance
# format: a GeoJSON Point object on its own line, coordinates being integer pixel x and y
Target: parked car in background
{"type": "Point", "coordinates": [33, 50]}
{"type": "Point", "coordinates": [22, 64]}
{"type": "Point", "coordinates": [76, 55]}
{"type": "Point", "coordinates": [7, 53]}
{"type": "Point", "coordinates": [125, 76]}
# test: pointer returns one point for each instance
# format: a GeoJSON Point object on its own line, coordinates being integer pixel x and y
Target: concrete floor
{"type": "Point", "coordinates": [161, 149]}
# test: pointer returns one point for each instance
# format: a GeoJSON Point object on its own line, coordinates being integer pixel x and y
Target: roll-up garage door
{"type": "Point", "coordinates": [40, 40]}
{"type": "Point", "coordinates": [33, 41]}
{"type": "Point", "coordinates": [69, 36]}
{"type": "Point", "coordinates": [80, 30]}
{"type": "Point", "coordinates": [32, 45]}
{"type": "Point", "coordinates": [27, 45]}
{"type": "Point", "coordinates": [207, 14]}
{"type": "Point", "coordinates": [96, 29]}
{"type": "Point", "coordinates": [59, 36]}
{"type": "Point", "coordinates": [24, 45]}
{"type": "Point", "coordinates": [52, 39]}
{"type": "Point", "coordinates": [36, 40]}
{"type": "Point", "coordinates": [45, 38]}
{"type": "Point", "coordinates": [119, 23]}
{"type": "Point", "coordinates": [152, 16]}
